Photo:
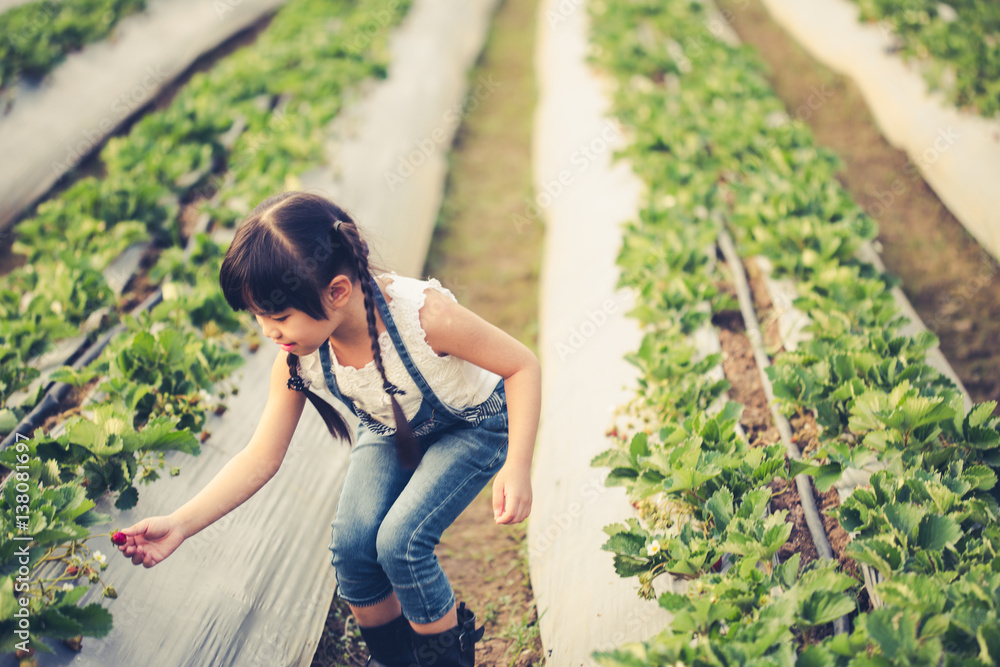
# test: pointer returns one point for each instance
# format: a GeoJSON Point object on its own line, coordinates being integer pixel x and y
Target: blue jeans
{"type": "Point", "coordinates": [389, 519]}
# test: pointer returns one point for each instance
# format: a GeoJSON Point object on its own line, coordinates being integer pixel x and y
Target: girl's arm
{"type": "Point", "coordinates": [151, 540]}
{"type": "Point", "coordinates": [453, 329]}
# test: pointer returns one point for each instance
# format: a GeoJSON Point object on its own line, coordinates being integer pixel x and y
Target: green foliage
{"type": "Point", "coordinates": [239, 132]}
{"type": "Point", "coordinates": [34, 37]}
{"type": "Point", "coordinates": [955, 44]}
{"type": "Point", "coordinates": [712, 143]}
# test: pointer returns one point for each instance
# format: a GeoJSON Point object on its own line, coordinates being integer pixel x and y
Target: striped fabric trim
{"type": "Point", "coordinates": [493, 405]}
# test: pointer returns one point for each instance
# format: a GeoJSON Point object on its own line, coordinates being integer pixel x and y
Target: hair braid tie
{"type": "Point", "coordinates": [392, 389]}
{"type": "Point", "coordinates": [296, 381]}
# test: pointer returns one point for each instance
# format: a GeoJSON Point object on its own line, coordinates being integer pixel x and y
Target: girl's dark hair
{"type": "Point", "coordinates": [284, 255]}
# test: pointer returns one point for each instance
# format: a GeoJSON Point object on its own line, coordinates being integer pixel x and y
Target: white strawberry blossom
{"type": "Point", "coordinates": [653, 548]}
{"type": "Point", "coordinates": [68, 587]}
{"type": "Point", "coordinates": [101, 558]}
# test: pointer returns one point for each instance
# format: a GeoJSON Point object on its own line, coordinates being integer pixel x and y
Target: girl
{"type": "Point", "coordinates": [432, 384]}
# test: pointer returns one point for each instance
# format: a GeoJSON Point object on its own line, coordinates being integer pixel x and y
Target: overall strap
{"type": "Point", "coordinates": [331, 378]}
{"type": "Point", "coordinates": [404, 355]}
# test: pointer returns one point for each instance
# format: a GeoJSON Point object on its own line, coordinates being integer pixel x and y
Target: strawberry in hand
{"type": "Point", "coordinates": [149, 541]}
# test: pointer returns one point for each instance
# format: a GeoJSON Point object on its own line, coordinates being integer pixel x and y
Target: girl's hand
{"type": "Point", "coordinates": [151, 540]}
{"type": "Point", "coordinates": [511, 495]}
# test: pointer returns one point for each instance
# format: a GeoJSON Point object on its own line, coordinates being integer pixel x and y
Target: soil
{"type": "Point", "coordinates": [767, 316]}
{"type": "Point", "coordinates": [805, 436]}
{"type": "Point", "coordinates": [740, 368]}
{"type": "Point", "coordinates": [493, 272]}
{"type": "Point", "coordinates": [951, 280]}
{"type": "Point", "coordinates": [785, 496]}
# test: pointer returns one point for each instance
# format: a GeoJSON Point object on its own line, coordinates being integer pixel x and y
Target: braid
{"type": "Point", "coordinates": [406, 443]}
{"type": "Point", "coordinates": [334, 420]}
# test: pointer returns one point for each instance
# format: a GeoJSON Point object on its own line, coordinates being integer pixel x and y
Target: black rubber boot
{"type": "Point", "coordinates": [390, 645]}
{"type": "Point", "coordinates": [452, 648]}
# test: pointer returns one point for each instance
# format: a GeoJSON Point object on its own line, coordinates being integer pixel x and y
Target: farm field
{"type": "Point", "coordinates": [794, 462]}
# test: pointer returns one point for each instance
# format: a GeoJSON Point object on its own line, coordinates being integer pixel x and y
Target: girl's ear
{"type": "Point", "coordinates": [339, 291]}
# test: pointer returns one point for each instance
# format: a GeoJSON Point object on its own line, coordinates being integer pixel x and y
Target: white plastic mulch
{"type": "Point", "coordinates": [254, 588]}
{"type": "Point", "coordinates": [51, 127]}
{"type": "Point", "coordinates": [583, 198]}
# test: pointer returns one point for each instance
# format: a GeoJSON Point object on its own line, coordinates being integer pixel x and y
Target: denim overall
{"type": "Point", "coordinates": [389, 519]}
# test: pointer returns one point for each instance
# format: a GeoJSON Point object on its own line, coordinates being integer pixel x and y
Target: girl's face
{"type": "Point", "coordinates": [294, 331]}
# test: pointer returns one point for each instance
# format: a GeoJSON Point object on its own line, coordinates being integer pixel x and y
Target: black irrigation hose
{"type": "Point", "coordinates": [58, 391]}
{"type": "Point", "coordinates": [806, 498]}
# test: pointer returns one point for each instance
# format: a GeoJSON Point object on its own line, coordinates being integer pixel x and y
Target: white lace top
{"type": "Point", "coordinates": [458, 383]}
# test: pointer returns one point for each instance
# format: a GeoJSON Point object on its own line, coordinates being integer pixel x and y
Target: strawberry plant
{"type": "Point", "coordinates": [35, 37]}
{"type": "Point", "coordinates": [714, 146]}
{"type": "Point", "coordinates": [259, 117]}
{"type": "Point", "coordinates": [954, 43]}
{"type": "Point", "coordinates": [55, 514]}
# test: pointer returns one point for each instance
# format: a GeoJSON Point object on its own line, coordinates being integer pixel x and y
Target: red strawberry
{"type": "Point", "coordinates": [119, 538]}
{"type": "Point", "coordinates": [72, 570]}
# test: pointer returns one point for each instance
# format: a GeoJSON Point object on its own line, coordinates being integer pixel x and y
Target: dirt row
{"type": "Point", "coordinates": [741, 370]}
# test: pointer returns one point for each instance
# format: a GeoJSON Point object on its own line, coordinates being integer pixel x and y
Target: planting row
{"type": "Point", "coordinates": [231, 137]}
{"type": "Point", "coordinates": [956, 44]}
{"type": "Point", "coordinates": [717, 150]}
{"type": "Point", "coordinates": [36, 36]}
{"type": "Point", "coordinates": [243, 128]}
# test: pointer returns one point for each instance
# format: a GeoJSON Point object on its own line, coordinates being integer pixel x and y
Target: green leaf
{"type": "Point", "coordinates": [94, 620]}
{"type": "Point", "coordinates": [877, 553]}
{"type": "Point", "coordinates": [904, 517]}
{"type": "Point", "coordinates": [980, 477]}
{"type": "Point", "coordinates": [626, 543]}
{"type": "Point", "coordinates": [720, 507]}
{"type": "Point", "coordinates": [674, 602]}
{"type": "Point", "coordinates": [160, 434]}
{"type": "Point", "coordinates": [981, 413]}
{"type": "Point", "coordinates": [52, 622]}
{"type": "Point", "coordinates": [786, 573]}
{"type": "Point", "coordinates": [127, 498]}
{"type": "Point", "coordinates": [893, 631]}
{"type": "Point", "coordinates": [825, 607]}
{"type": "Point", "coordinates": [621, 477]}
{"type": "Point", "coordinates": [8, 603]}
{"type": "Point", "coordinates": [8, 420]}
{"type": "Point", "coordinates": [920, 410]}
{"type": "Point", "coordinates": [938, 532]}
{"type": "Point", "coordinates": [612, 458]}
{"type": "Point", "coordinates": [824, 476]}
{"type": "Point", "coordinates": [630, 566]}
{"type": "Point", "coordinates": [988, 636]}
{"type": "Point", "coordinates": [639, 446]}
